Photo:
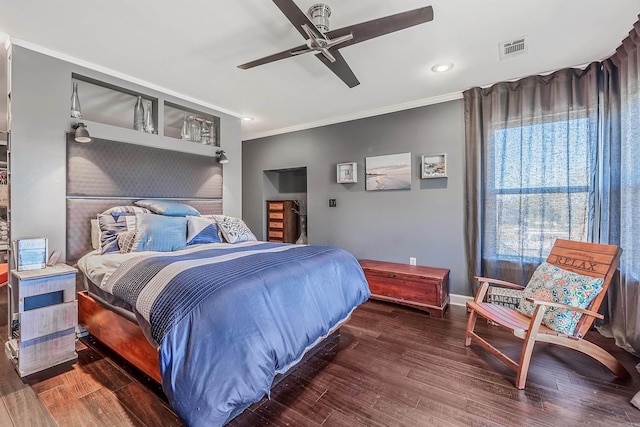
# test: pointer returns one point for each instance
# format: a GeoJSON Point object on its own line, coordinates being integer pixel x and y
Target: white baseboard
{"type": "Point", "coordinates": [455, 299]}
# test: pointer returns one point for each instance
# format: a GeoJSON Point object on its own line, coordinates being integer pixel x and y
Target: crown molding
{"type": "Point", "coordinates": [95, 67]}
{"type": "Point", "coordinates": [355, 116]}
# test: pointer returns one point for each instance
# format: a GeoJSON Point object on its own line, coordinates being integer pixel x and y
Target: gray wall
{"type": "Point", "coordinates": [3, 90]}
{"type": "Point", "coordinates": [40, 100]}
{"type": "Point", "coordinates": [425, 222]}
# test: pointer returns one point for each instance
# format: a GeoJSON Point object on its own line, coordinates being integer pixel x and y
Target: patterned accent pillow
{"type": "Point", "coordinates": [113, 221]}
{"type": "Point", "coordinates": [508, 297]}
{"type": "Point", "coordinates": [168, 207]}
{"type": "Point", "coordinates": [202, 230]}
{"type": "Point", "coordinates": [159, 233]}
{"type": "Point", "coordinates": [234, 229]}
{"type": "Point", "coordinates": [551, 283]}
{"type": "Point", "coordinates": [125, 241]}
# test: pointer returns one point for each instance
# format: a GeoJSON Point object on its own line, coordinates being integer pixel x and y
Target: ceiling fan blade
{"type": "Point", "coordinates": [381, 26]}
{"type": "Point", "coordinates": [340, 68]}
{"type": "Point", "coordinates": [297, 17]}
{"type": "Point", "coordinates": [276, 57]}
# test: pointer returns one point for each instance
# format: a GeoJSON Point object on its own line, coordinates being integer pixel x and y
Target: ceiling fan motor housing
{"type": "Point", "coordinates": [319, 14]}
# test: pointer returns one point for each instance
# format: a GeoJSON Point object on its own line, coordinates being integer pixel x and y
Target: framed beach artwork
{"type": "Point", "coordinates": [390, 172]}
{"type": "Point", "coordinates": [434, 166]}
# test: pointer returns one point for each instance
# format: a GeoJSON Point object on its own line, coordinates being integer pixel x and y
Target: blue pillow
{"type": "Point", "coordinates": [168, 207]}
{"type": "Point", "coordinates": [159, 233]}
{"type": "Point", "coordinates": [202, 230]}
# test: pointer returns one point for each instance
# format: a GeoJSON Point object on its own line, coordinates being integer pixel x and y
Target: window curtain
{"type": "Point", "coordinates": [620, 202]}
{"type": "Point", "coordinates": [531, 169]}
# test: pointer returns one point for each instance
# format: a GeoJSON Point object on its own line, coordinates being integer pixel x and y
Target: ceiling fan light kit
{"type": "Point", "coordinates": [442, 67]}
{"type": "Point", "coordinates": [324, 43]}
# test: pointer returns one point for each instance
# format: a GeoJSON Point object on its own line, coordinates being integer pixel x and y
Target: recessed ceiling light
{"type": "Point", "coordinates": [441, 68]}
{"type": "Point", "coordinates": [247, 118]}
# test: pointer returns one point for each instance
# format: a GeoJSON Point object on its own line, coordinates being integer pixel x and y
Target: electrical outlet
{"type": "Point", "coordinates": [412, 260]}
{"type": "Point", "coordinates": [332, 203]}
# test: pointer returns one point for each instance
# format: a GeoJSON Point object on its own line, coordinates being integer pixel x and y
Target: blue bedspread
{"type": "Point", "coordinates": [229, 317]}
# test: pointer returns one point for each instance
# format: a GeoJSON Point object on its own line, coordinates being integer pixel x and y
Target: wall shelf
{"type": "Point", "coordinates": [116, 133]}
{"type": "Point", "coordinates": [109, 104]}
{"type": "Point", "coordinates": [174, 116]}
{"type": "Point", "coordinates": [107, 111]}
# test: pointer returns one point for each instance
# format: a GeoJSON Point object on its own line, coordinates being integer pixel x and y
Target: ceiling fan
{"type": "Point", "coordinates": [325, 44]}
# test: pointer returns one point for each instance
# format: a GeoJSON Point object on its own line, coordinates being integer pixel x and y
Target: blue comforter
{"type": "Point", "coordinates": [229, 317]}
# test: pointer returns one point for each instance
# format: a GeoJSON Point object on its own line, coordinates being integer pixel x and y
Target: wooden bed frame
{"type": "Point", "coordinates": [121, 335]}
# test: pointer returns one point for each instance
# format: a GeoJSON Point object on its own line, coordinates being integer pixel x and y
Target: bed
{"type": "Point", "coordinates": [214, 322]}
{"type": "Point", "coordinates": [245, 312]}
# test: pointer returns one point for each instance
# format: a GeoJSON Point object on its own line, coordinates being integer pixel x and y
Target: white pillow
{"type": "Point", "coordinates": [234, 229]}
{"type": "Point", "coordinates": [95, 234]}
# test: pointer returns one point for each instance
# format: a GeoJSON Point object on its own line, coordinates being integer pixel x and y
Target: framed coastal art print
{"type": "Point", "coordinates": [434, 166]}
{"type": "Point", "coordinates": [390, 172]}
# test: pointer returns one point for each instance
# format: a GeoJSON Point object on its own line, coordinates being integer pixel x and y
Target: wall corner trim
{"type": "Point", "coordinates": [460, 300]}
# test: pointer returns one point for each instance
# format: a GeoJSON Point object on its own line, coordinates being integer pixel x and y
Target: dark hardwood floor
{"type": "Point", "coordinates": [391, 366]}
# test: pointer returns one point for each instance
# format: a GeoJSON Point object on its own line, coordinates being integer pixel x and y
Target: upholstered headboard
{"type": "Point", "coordinates": [106, 173]}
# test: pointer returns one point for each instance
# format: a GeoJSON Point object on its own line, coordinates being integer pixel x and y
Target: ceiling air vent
{"type": "Point", "coordinates": [514, 47]}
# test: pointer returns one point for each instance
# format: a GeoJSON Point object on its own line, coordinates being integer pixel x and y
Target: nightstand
{"type": "Point", "coordinates": [43, 314]}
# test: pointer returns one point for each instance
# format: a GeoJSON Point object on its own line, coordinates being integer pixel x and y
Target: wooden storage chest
{"type": "Point", "coordinates": [424, 288]}
{"type": "Point", "coordinates": [282, 221]}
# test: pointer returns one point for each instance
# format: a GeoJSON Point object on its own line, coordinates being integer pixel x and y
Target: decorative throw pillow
{"type": "Point", "coordinates": [551, 283]}
{"type": "Point", "coordinates": [202, 230]}
{"type": "Point", "coordinates": [113, 221]}
{"type": "Point", "coordinates": [508, 297]}
{"type": "Point", "coordinates": [125, 241]}
{"type": "Point", "coordinates": [159, 233]}
{"type": "Point", "coordinates": [234, 229]}
{"type": "Point", "coordinates": [168, 207]}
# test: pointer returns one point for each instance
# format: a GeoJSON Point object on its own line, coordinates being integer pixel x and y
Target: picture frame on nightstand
{"type": "Point", "coordinates": [31, 254]}
{"type": "Point", "coordinates": [347, 173]}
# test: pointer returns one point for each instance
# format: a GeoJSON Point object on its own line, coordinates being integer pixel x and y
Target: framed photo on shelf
{"type": "Point", "coordinates": [347, 173]}
{"type": "Point", "coordinates": [434, 166]}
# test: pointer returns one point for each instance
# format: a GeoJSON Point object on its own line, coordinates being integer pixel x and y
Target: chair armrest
{"type": "Point", "coordinates": [499, 283]}
{"type": "Point", "coordinates": [565, 306]}
{"type": "Point", "coordinates": [484, 286]}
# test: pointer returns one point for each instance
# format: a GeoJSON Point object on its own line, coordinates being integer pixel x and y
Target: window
{"type": "Point", "coordinates": [537, 188]}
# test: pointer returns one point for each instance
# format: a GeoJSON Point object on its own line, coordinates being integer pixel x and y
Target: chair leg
{"type": "Point", "coordinates": [471, 324]}
{"type": "Point", "coordinates": [527, 346]}
{"type": "Point", "coordinates": [590, 349]}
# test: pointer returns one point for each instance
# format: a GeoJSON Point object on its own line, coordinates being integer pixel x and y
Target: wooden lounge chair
{"type": "Point", "coordinates": [586, 259]}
